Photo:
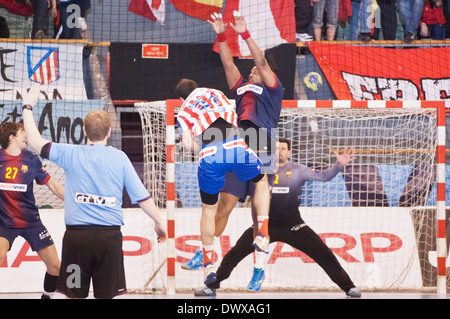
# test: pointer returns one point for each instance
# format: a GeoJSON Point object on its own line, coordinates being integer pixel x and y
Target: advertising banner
{"type": "Point", "coordinates": [57, 67]}
{"type": "Point", "coordinates": [376, 246]}
{"type": "Point", "coordinates": [375, 73]}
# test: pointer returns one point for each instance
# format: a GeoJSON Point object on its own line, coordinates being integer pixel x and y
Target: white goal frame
{"type": "Point", "coordinates": [335, 104]}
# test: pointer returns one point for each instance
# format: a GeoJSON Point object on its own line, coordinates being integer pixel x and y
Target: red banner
{"type": "Point", "coordinates": [372, 73]}
{"type": "Point", "coordinates": [198, 9]}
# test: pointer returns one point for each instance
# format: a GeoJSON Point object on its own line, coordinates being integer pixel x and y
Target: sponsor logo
{"type": "Point", "coordinates": [13, 187]}
{"type": "Point", "coordinates": [95, 199]}
{"type": "Point", "coordinates": [249, 87]}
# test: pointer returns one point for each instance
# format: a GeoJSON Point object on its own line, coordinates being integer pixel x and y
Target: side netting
{"type": "Point", "coordinates": [379, 216]}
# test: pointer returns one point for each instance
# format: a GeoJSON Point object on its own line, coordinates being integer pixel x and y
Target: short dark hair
{"type": "Point", "coordinates": [6, 130]}
{"type": "Point", "coordinates": [185, 87]}
{"type": "Point", "coordinates": [285, 140]}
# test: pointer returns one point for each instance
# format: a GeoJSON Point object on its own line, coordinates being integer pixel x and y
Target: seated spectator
{"type": "Point", "coordinates": [432, 24]}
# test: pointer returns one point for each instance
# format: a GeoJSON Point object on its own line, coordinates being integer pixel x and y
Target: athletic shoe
{"type": "Point", "coordinates": [205, 292]}
{"type": "Point", "coordinates": [409, 37]}
{"type": "Point", "coordinates": [196, 263]}
{"type": "Point", "coordinates": [303, 37]}
{"type": "Point", "coordinates": [209, 274]}
{"type": "Point", "coordinates": [365, 37]}
{"type": "Point", "coordinates": [44, 296]}
{"type": "Point", "coordinates": [261, 242]}
{"type": "Point", "coordinates": [354, 293]}
{"type": "Point", "coordinates": [257, 280]}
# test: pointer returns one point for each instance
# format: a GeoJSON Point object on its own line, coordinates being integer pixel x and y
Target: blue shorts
{"type": "Point", "coordinates": [218, 159]}
{"type": "Point", "coordinates": [36, 234]}
{"type": "Point", "coordinates": [242, 189]}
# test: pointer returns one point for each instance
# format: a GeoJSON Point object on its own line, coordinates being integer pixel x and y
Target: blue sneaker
{"type": "Point", "coordinates": [196, 263]}
{"type": "Point", "coordinates": [205, 292]}
{"type": "Point", "coordinates": [257, 280]}
{"type": "Point", "coordinates": [354, 293]}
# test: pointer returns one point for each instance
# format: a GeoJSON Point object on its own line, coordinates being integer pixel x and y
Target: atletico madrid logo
{"type": "Point", "coordinates": [43, 64]}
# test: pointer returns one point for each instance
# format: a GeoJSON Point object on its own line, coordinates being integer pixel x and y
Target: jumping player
{"type": "Point", "coordinates": [286, 224]}
{"type": "Point", "coordinates": [96, 175]}
{"type": "Point", "coordinates": [208, 123]}
{"type": "Point", "coordinates": [19, 168]}
{"type": "Point", "coordinates": [258, 106]}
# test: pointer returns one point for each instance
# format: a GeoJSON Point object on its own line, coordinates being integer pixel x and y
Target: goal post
{"type": "Point", "coordinates": [399, 176]}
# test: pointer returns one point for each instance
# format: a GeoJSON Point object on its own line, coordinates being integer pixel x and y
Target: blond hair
{"type": "Point", "coordinates": [97, 124]}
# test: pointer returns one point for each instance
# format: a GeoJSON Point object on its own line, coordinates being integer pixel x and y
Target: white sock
{"type": "Point", "coordinates": [260, 259]}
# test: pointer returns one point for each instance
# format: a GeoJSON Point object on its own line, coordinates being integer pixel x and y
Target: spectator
{"type": "Point", "coordinates": [40, 16]}
{"type": "Point", "coordinates": [303, 16]}
{"type": "Point", "coordinates": [433, 21]}
{"type": "Point", "coordinates": [388, 17]}
{"type": "Point", "coordinates": [360, 24]}
{"type": "Point", "coordinates": [73, 12]}
{"type": "Point", "coordinates": [410, 12]}
{"type": "Point", "coordinates": [332, 7]}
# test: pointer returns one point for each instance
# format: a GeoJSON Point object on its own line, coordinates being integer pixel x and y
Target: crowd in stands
{"type": "Point", "coordinates": [365, 20]}
{"type": "Point", "coordinates": [316, 20]}
{"type": "Point", "coordinates": [60, 14]}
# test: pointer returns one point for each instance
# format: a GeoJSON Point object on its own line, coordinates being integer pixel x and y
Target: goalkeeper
{"type": "Point", "coordinates": [286, 224]}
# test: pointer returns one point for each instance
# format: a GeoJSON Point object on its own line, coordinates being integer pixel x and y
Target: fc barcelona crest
{"type": "Point", "coordinates": [43, 64]}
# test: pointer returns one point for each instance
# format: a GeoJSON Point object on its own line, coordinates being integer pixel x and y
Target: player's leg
{"type": "Point", "coordinates": [261, 202]}
{"type": "Point", "coordinates": [41, 242]}
{"type": "Point", "coordinates": [240, 250]}
{"type": "Point", "coordinates": [306, 240]}
{"type": "Point", "coordinates": [227, 201]}
{"type": "Point", "coordinates": [51, 260]}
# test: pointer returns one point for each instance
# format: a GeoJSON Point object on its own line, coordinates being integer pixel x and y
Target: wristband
{"type": "Point", "coordinates": [245, 35]}
{"type": "Point", "coordinates": [28, 107]}
{"type": "Point", "coordinates": [221, 37]}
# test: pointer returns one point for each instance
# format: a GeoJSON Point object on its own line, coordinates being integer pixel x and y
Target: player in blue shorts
{"type": "Point", "coordinates": [286, 224]}
{"type": "Point", "coordinates": [258, 106]}
{"type": "Point", "coordinates": [96, 175]}
{"type": "Point", "coordinates": [19, 216]}
{"type": "Point", "coordinates": [208, 125]}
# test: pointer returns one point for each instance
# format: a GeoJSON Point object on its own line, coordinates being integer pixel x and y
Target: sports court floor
{"type": "Point", "coordinates": [255, 296]}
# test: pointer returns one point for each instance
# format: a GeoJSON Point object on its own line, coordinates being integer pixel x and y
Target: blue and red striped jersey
{"type": "Point", "coordinates": [17, 174]}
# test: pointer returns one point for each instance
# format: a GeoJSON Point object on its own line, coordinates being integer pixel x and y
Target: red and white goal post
{"type": "Point", "coordinates": [384, 215]}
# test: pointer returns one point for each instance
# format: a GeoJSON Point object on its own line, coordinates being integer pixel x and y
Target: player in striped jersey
{"type": "Point", "coordinates": [19, 168]}
{"type": "Point", "coordinates": [258, 106]}
{"type": "Point", "coordinates": [286, 224]}
{"type": "Point", "coordinates": [208, 124]}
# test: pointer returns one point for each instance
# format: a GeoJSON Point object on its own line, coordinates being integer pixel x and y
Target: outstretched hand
{"type": "Point", "coordinates": [32, 96]}
{"type": "Point", "coordinates": [240, 24]}
{"type": "Point", "coordinates": [346, 157]}
{"type": "Point", "coordinates": [217, 23]}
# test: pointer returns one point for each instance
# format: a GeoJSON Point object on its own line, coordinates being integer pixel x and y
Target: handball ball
{"type": "Point", "coordinates": [313, 81]}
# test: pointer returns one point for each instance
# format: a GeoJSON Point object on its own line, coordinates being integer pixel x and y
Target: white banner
{"type": "Point", "coordinates": [57, 67]}
{"type": "Point", "coordinates": [378, 251]}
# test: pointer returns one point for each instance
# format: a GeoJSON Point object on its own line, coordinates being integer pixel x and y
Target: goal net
{"type": "Point", "coordinates": [379, 215]}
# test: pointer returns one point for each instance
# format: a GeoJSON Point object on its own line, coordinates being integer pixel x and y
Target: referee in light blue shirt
{"type": "Point", "coordinates": [95, 177]}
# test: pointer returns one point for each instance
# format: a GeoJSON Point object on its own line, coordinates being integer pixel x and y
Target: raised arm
{"type": "Point", "coordinates": [232, 73]}
{"type": "Point", "coordinates": [35, 139]}
{"type": "Point", "coordinates": [264, 69]}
